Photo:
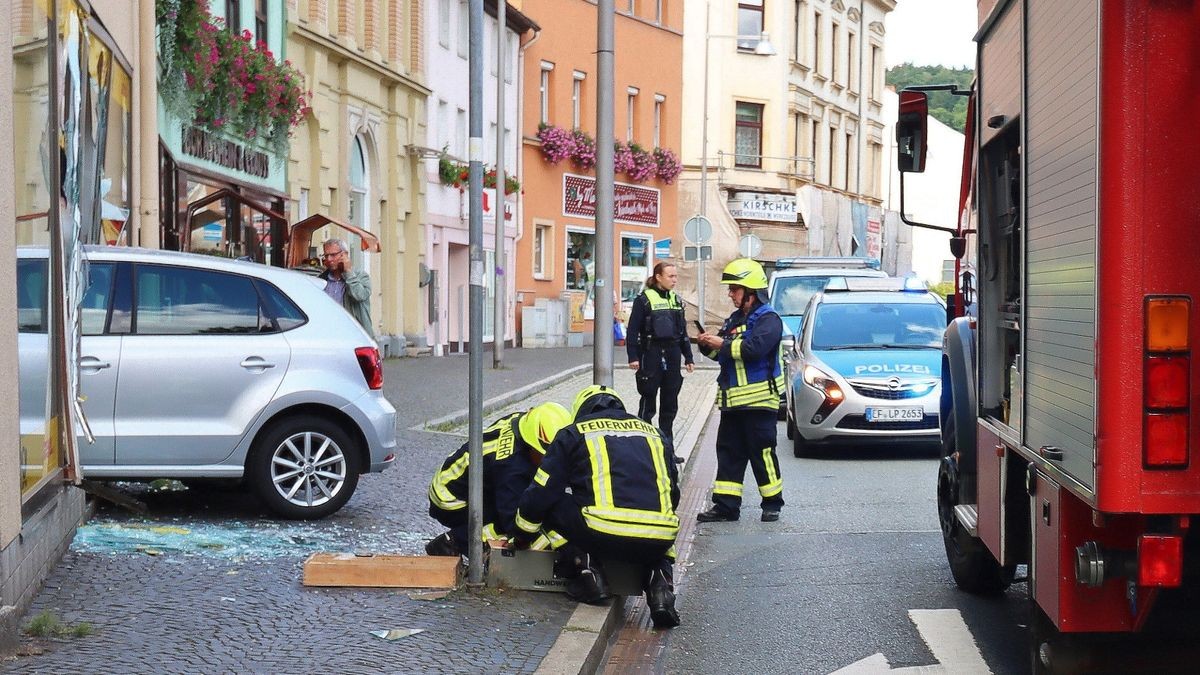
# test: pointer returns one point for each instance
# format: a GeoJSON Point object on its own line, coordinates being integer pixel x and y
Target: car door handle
{"type": "Point", "coordinates": [93, 363]}
{"type": "Point", "coordinates": [253, 362]}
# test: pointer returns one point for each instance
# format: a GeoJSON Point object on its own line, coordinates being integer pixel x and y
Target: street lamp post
{"type": "Point", "coordinates": [762, 48]}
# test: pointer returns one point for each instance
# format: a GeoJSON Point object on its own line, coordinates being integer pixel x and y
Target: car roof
{"type": "Point", "coordinates": [885, 297]}
{"type": "Point", "coordinates": [150, 255]}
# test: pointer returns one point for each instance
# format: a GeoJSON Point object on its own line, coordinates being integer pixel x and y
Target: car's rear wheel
{"type": "Point", "coordinates": [304, 467]}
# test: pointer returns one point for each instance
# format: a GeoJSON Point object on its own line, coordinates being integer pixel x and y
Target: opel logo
{"type": "Point", "coordinates": [894, 383]}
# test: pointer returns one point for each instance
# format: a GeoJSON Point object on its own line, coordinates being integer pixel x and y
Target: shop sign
{"type": "Point", "coordinates": [662, 248]}
{"type": "Point", "coordinates": [774, 208]}
{"type": "Point", "coordinates": [874, 239]}
{"type": "Point", "coordinates": [631, 203]}
{"type": "Point", "coordinates": [203, 145]}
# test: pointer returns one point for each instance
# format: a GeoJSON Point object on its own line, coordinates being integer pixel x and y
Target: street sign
{"type": "Point", "coordinates": [694, 253]}
{"type": "Point", "coordinates": [697, 230]}
{"type": "Point", "coordinates": [749, 246]}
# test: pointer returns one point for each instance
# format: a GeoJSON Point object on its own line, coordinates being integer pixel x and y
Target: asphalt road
{"type": "Point", "coordinates": [833, 582]}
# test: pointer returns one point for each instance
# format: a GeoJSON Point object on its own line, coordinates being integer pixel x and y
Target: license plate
{"type": "Point", "coordinates": [895, 414]}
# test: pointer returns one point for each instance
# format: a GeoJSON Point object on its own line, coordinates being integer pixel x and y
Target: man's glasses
{"type": "Point", "coordinates": [326, 256]}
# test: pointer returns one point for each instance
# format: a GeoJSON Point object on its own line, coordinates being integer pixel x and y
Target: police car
{"type": "Point", "coordinates": [866, 366]}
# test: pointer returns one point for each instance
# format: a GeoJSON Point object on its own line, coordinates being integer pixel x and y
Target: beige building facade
{"type": "Point", "coordinates": [357, 156]}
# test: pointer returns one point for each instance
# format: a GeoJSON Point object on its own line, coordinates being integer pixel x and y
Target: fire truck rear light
{"type": "Point", "coordinates": [1167, 382]}
{"type": "Point", "coordinates": [1167, 324]}
{"type": "Point", "coordinates": [1166, 440]}
{"type": "Point", "coordinates": [1160, 560]}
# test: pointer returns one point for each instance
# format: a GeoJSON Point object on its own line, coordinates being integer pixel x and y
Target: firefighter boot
{"type": "Point", "coordinates": [589, 584]}
{"type": "Point", "coordinates": [442, 545]}
{"type": "Point", "coordinates": [660, 598]}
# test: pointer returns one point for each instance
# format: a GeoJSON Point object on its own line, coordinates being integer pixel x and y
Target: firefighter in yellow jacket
{"type": "Point", "coordinates": [747, 347]}
{"type": "Point", "coordinates": [512, 450]}
{"type": "Point", "coordinates": [608, 484]}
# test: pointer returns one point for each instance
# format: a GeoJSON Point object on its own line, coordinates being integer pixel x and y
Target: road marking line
{"type": "Point", "coordinates": [948, 638]}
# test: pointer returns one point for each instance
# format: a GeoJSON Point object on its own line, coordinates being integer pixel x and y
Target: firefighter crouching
{"type": "Point", "coordinates": [513, 447]}
{"type": "Point", "coordinates": [608, 484]}
{"type": "Point", "coordinates": [747, 347]}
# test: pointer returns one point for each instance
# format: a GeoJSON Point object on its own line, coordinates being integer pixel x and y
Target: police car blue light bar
{"type": "Point", "coordinates": [892, 284]}
{"type": "Point", "coordinates": [818, 262]}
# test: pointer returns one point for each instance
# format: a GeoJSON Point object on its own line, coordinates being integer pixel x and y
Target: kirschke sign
{"type": "Point", "coordinates": [775, 208]}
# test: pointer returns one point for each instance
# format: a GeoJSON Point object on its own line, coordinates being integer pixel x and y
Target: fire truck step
{"type": "Point", "coordinates": [968, 517]}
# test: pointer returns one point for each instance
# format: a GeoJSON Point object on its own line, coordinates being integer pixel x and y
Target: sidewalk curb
{"type": "Point", "coordinates": [581, 646]}
{"type": "Point", "coordinates": [457, 418]}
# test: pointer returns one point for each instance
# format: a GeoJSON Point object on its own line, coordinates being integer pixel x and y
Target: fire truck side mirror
{"type": "Point", "coordinates": [911, 129]}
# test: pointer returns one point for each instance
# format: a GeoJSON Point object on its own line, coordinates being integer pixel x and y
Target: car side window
{"type": "Point", "coordinates": [285, 312]}
{"type": "Point", "coordinates": [93, 309]}
{"type": "Point", "coordinates": [32, 295]}
{"type": "Point", "coordinates": [188, 301]}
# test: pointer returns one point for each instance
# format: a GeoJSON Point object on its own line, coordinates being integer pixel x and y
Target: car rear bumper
{"type": "Point", "coordinates": [377, 419]}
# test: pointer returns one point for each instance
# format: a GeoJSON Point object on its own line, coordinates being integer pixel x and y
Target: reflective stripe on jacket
{"type": "Point", "coordinates": [751, 360]}
{"type": "Point", "coordinates": [620, 472]}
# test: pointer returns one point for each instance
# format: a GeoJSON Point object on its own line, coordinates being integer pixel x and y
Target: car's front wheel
{"type": "Point", "coordinates": [303, 467]}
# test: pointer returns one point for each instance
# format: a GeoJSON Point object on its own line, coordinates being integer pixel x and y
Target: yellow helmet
{"type": "Point", "coordinates": [595, 397]}
{"type": "Point", "coordinates": [746, 273]}
{"type": "Point", "coordinates": [542, 422]}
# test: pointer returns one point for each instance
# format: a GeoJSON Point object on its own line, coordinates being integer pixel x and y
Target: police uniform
{"type": "Point", "coordinates": [609, 485]}
{"type": "Point", "coordinates": [507, 470]}
{"type": "Point", "coordinates": [658, 341]}
{"type": "Point", "coordinates": [750, 382]}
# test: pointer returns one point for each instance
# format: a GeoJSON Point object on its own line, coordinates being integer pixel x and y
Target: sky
{"type": "Point", "coordinates": [931, 32]}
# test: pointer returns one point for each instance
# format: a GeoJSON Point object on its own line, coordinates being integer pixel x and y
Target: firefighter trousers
{"type": "Point", "coordinates": [747, 436]}
{"type": "Point", "coordinates": [655, 381]}
{"type": "Point", "coordinates": [566, 517]}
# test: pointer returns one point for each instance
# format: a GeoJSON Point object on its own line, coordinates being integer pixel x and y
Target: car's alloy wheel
{"type": "Point", "coordinates": [304, 468]}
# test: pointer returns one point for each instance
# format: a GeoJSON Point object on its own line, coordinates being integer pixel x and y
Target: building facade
{"type": "Point", "coordinates": [556, 243]}
{"type": "Point", "coordinates": [356, 155]}
{"type": "Point", "coordinates": [794, 142]}
{"type": "Point", "coordinates": [70, 164]}
{"type": "Point", "coordinates": [447, 237]}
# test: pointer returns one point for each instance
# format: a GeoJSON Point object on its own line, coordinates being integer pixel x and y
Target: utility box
{"type": "Point", "coordinates": [527, 570]}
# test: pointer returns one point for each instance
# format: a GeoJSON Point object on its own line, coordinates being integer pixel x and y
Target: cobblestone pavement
{"type": "Point", "coordinates": [207, 582]}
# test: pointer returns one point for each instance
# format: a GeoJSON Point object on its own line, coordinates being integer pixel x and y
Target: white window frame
{"type": "Point", "coordinates": [630, 112]}
{"type": "Point", "coordinates": [464, 37]}
{"type": "Point", "coordinates": [543, 229]}
{"type": "Point", "coordinates": [659, 102]}
{"type": "Point", "coordinates": [444, 23]}
{"type": "Point", "coordinates": [544, 91]}
{"type": "Point", "coordinates": [577, 78]}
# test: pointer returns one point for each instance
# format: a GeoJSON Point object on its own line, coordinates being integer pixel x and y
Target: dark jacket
{"type": "Point", "coordinates": [636, 492]}
{"type": "Point", "coordinates": [639, 334]}
{"type": "Point", "coordinates": [750, 355]}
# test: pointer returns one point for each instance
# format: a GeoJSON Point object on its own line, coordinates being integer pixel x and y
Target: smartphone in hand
{"type": "Point", "coordinates": [699, 326]}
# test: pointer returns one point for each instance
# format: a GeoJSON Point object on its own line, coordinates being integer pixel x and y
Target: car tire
{"type": "Point", "coordinates": [304, 468]}
{"type": "Point", "coordinates": [800, 447]}
{"type": "Point", "coordinates": [974, 568]}
{"type": "Point", "coordinates": [791, 426]}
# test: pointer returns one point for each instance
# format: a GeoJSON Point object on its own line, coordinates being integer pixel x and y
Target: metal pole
{"type": "Point", "coordinates": [475, 377]}
{"type": "Point", "coordinates": [602, 327]}
{"type": "Point", "coordinates": [703, 169]}
{"type": "Point", "coordinates": [498, 277]}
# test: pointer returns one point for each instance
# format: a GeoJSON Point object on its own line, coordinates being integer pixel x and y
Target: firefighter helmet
{"type": "Point", "coordinates": [746, 273]}
{"type": "Point", "coordinates": [541, 423]}
{"type": "Point", "coordinates": [596, 397]}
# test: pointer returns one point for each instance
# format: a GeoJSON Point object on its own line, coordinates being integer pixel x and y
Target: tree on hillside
{"type": "Point", "coordinates": [945, 107]}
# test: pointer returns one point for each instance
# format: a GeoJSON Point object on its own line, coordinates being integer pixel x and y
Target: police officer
{"type": "Point", "coordinates": [608, 484]}
{"type": "Point", "coordinates": [513, 447]}
{"type": "Point", "coordinates": [747, 347]}
{"type": "Point", "coordinates": [657, 342]}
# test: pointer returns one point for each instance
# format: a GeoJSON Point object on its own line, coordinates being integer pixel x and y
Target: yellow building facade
{"type": "Point", "coordinates": [356, 156]}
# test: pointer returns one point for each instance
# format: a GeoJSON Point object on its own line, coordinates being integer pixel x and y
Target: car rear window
{"type": "Point", "coordinates": [878, 325]}
{"type": "Point", "coordinates": [285, 312]}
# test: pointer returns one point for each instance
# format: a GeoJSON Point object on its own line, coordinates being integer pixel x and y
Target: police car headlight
{"type": "Point", "coordinates": [823, 382]}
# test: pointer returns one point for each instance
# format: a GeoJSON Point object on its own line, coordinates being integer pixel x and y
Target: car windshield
{"type": "Point", "coordinates": [878, 325]}
{"type": "Point", "coordinates": [792, 294]}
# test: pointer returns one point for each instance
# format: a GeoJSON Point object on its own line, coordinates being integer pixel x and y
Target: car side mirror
{"type": "Point", "coordinates": [912, 126]}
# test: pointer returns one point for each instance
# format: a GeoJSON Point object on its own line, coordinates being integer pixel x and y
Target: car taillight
{"type": "Point", "coordinates": [1160, 560]}
{"type": "Point", "coordinates": [1166, 387]}
{"type": "Point", "coordinates": [372, 367]}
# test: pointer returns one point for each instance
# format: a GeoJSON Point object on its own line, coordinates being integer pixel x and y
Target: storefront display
{"type": "Point", "coordinates": [581, 269]}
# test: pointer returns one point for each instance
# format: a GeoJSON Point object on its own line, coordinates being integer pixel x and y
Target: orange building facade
{"type": "Point", "coordinates": [556, 250]}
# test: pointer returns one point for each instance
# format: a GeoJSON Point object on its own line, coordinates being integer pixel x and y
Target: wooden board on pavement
{"type": "Point", "coordinates": [382, 571]}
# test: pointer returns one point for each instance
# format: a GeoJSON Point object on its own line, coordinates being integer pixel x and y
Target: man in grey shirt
{"type": "Point", "coordinates": [348, 287]}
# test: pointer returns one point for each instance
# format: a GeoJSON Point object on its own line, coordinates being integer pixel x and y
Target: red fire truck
{"type": "Point", "coordinates": [1068, 384]}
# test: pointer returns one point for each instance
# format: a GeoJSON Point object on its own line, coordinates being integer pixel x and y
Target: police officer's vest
{"type": "Point", "coordinates": [665, 320]}
{"type": "Point", "coordinates": [750, 384]}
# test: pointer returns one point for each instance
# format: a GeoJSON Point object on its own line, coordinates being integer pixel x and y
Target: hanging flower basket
{"type": "Point", "coordinates": [631, 159]}
{"type": "Point", "coordinates": [668, 165]}
{"type": "Point", "coordinates": [644, 167]}
{"type": "Point", "coordinates": [222, 81]}
{"type": "Point", "coordinates": [458, 175]}
{"type": "Point", "coordinates": [622, 158]}
{"type": "Point", "coordinates": [557, 143]}
{"type": "Point", "coordinates": [583, 152]}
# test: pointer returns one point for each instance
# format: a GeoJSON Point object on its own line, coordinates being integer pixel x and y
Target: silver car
{"type": "Point", "coordinates": [867, 366]}
{"type": "Point", "coordinates": [201, 367]}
